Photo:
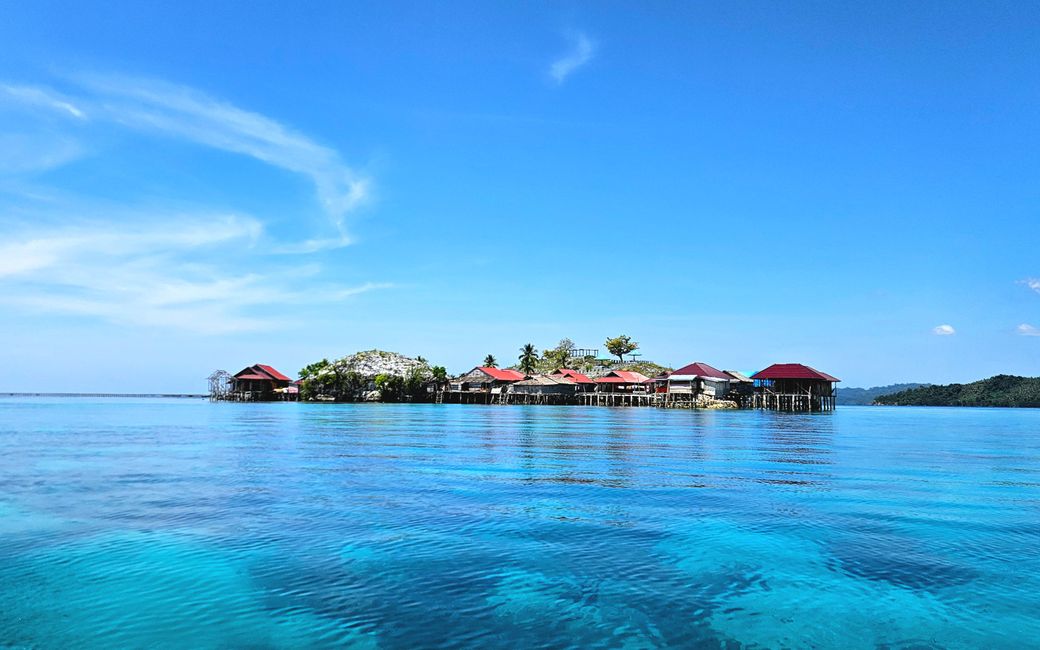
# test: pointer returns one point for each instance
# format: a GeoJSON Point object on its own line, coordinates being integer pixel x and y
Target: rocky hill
{"type": "Point", "coordinates": [372, 363]}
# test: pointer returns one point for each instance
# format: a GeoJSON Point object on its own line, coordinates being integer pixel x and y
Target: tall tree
{"type": "Point", "coordinates": [490, 361]}
{"type": "Point", "coordinates": [528, 358]}
{"type": "Point", "coordinates": [560, 355]}
{"type": "Point", "coordinates": [619, 346]}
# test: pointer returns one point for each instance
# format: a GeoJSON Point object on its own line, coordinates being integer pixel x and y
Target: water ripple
{"type": "Point", "coordinates": [162, 523]}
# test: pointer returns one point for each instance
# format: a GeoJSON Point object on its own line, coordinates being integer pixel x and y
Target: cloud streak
{"type": "Point", "coordinates": [1032, 283]}
{"type": "Point", "coordinates": [42, 98]}
{"type": "Point", "coordinates": [583, 49]}
{"type": "Point", "coordinates": [158, 275]}
{"type": "Point", "coordinates": [944, 330]}
{"type": "Point", "coordinates": [161, 108]}
{"type": "Point", "coordinates": [200, 270]}
{"type": "Point", "coordinates": [1025, 329]}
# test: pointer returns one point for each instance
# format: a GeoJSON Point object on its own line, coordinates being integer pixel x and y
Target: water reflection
{"type": "Point", "coordinates": [450, 526]}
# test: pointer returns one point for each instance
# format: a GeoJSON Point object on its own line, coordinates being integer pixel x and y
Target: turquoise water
{"type": "Point", "coordinates": [183, 524]}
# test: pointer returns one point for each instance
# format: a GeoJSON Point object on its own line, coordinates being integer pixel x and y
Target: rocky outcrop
{"type": "Point", "coordinates": [372, 363]}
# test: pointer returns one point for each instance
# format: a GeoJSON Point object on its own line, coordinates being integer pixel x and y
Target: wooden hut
{"type": "Point", "coordinates": [794, 387]}
{"type": "Point", "coordinates": [543, 389]}
{"type": "Point", "coordinates": [582, 381]}
{"type": "Point", "coordinates": [258, 383]}
{"type": "Point", "coordinates": [698, 380]}
{"type": "Point", "coordinates": [741, 387]}
{"type": "Point", "coordinates": [621, 381]}
{"type": "Point", "coordinates": [485, 379]}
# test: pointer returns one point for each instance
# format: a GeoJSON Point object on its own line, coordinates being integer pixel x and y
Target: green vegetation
{"type": "Point", "coordinates": [560, 356]}
{"type": "Point", "coordinates": [557, 357]}
{"type": "Point", "coordinates": [374, 375]}
{"type": "Point", "coordinates": [490, 361]}
{"type": "Point", "coordinates": [866, 396]}
{"type": "Point", "coordinates": [619, 346]}
{"type": "Point", "coordinates": [314, 368]}
{"type": "Point", "coordinates": [1002, 390]}
{"type": "Point", "coordinates": [528, 359]}
{"type": "Point", "coordinates": [648, 368]}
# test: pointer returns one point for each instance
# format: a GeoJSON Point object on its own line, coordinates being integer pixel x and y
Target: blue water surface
{"type": "Point", "coordinates": [154, 523]}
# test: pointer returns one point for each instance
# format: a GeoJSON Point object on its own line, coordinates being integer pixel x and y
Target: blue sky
{"type": "Point", "coordinates": [200, 186]}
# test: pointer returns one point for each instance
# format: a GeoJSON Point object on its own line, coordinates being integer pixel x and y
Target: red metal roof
{"type": "Point", "coordinates": [622, 377]}
{"type": "Point", "coordinates": [701, 369]}
{"type": "Point", "coordinates": [792, 371]}
{"type": "Point", "coordinates": [502, 374]}
{"type": "Point", "coordinates": [259, 371]}
{"type": "Point", "coordinates": [572, 374]}
{"type": "Point", "coordinates": [274, 373]}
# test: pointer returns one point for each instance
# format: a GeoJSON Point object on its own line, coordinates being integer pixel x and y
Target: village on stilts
{"type": "Point", "coordinates": [564, 375]}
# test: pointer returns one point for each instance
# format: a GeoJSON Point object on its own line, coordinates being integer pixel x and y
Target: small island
{"type": "Point", "coordinates": [562, 375]}
{"type": "Point", "coordinates": [999, 391]}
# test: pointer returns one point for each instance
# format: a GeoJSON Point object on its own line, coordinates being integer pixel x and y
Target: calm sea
{"type": "Point", "coordinates": [178, 523]}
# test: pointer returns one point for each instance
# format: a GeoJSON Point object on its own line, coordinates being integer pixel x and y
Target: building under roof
{"type": "Point", "coordinates": [484, 378]}
{"type": "Point", "coordinates": [578, 377]}
{"type": "Point", "coordinates": [698, 379]}
{"type": "Point", "coordinates": [792, 371]}
{"type": "Point", "coordinates": [545, 385]}
{"type": "Point", "coordinates": [620, 380]}
{"type": "Point", "coordinates": [258, 382]}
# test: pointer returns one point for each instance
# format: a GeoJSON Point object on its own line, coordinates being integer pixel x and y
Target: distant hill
{"type": "Point", "coordinates": [1002, 390]}
{"type": "Point", "coordinates": [866, 396]}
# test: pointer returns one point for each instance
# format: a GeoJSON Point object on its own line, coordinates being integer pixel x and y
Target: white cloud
{"type": "Point", "coordinates": [581, 52]}
{"type": "Point", "coordinates": [159, 274]}
{"type": "Point", "coordinates": [177, 111]}
{"type": "Point", "coordinates": [42, 97]}
{"type": "Point", "coordinates": [205, 271]}
{"type": "Point", "coordinates": [1026, 329]}
{"type": "Point", "coordinates": [944, 330]}
{"type": "Point", "coordinates": [1032, 283]}
{"type": "Point", "coordinates": [34, 152]}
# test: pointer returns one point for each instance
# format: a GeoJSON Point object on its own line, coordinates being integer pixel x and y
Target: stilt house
{"type": "Point", "coordinates": [698, 379]}
{"type": "Point", "coordinates": [582, 381]}
{"type": "Point", "coordinates": [794, 387]}
{"type": "Point", "coordinates": [258, 383]}
{"type": "Point", "coordinates": [621, 381]}
{"type": "Point", "coordinates": [485, 379]}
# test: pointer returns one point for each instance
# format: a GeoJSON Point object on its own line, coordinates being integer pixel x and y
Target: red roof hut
{"type": "Point", "coordinates": [794, 387]}
{"type": "Point", "coordinates": [484, 378]}
{"type": "Point", "coordinates": [258, 382]}
{"type": "Point", "coordinates": [621, 381]}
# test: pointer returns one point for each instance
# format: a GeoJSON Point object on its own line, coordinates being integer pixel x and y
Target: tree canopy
{"type": "Point", "coordinates": [490, 361]}
{"type": "Point", "coordinates": [1002, 390]}
{"type": "Point", "coordinates": [560, 355]}
{"type": "Point", "coordinates": [619, 346]}
{"type": "Point", "coordinates": [528, 358]}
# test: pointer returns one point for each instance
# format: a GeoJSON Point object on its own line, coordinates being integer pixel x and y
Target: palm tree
{"type": "Point", "coordinates": [528, 359]}
{"type": "Point", "coordinates": [490, 361]}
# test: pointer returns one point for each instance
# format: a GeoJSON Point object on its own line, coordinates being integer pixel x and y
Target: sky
{"type": "Point", "coordinates": [191, 186]}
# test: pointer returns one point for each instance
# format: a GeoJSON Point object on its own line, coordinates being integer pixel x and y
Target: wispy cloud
{"type": "Point", "coordinates": [158, 275]}
{"type": "Point", "coordinates": [1026, 329]}
{"type": "Point", "coordinates": [171, 110]}
{"type": "Point", "coordinates": [1032, 283]}
{"type": "Point", "coordinates": [944, 330]}
{"type": "Point", "coordinates": [42, 98]}
{"type": "Point", "coordinates": [583, 49]}
{"type": "Point", "coordinates": [206, 271]}
{"type": "Point", "coordinates": [36, 152]}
